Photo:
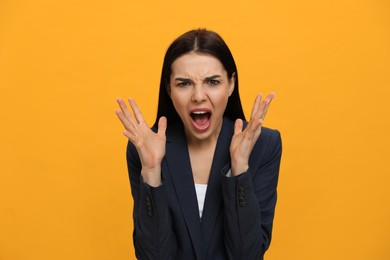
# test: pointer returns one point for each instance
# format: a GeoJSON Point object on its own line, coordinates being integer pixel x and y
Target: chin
{"type": "Point", "coordinates": [202, 134]}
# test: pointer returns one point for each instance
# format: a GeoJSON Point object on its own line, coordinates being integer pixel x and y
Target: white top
{"type": "Point", "coordinates": [201, 195]}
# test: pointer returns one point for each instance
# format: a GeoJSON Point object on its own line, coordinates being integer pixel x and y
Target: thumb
{"type": "Point", "coordinates": [162, 126]}
{"type": "Point", "coordinates": [238, 126]}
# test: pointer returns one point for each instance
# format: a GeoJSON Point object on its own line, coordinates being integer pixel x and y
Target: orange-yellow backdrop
{"type": "Point", "coordinates": [64, 191]}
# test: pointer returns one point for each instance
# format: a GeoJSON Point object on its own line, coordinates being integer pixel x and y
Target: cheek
{"type": "Point", "coordinates": [178, 102]}
{"type": "Point", "coordinates": [220, 101]}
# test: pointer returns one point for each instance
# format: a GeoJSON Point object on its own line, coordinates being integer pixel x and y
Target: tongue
{"type": "Point", "coordinates": [201, 120]}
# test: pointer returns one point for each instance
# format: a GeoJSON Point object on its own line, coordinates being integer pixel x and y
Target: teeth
{"type": "Point", "coordinates": [199, 112]}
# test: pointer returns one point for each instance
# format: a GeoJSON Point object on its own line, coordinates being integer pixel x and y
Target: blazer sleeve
{"type": "Point", "coordinates": [250, 199]}
{"type": "Point", "coordinates": [153, 237]}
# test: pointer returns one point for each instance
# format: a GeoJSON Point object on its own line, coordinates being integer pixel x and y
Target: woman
{"type": "Point", "coordinates": [203, 180]}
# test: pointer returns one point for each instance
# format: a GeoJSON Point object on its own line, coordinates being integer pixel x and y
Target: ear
{"type": "Point", "coordinates": [232, 83]}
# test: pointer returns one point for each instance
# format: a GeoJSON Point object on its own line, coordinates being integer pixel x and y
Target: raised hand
{"type": "Point", "coordinates": [243, 141]}
{"type": "Point", "coordinates": [150, 145]}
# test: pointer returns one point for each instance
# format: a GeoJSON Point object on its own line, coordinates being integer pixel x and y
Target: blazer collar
{"type": "Point", "coordinates": [179, 166]}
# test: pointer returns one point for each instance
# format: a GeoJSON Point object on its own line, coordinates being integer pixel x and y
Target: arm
{"type": "Point", "coordinates": [250, 196]}
{"type": "Point", "coordinates": [152, 234]}
{"type": "Point", "coordinates": [153, 237]}
{"type": "Point", "coordinates": [250, 200]}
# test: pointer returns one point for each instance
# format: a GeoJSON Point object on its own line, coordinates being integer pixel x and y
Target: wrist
{"type": "Point", "coordinates": [152, 176]}
{"type": "Point", "coordinates": [238, 169]}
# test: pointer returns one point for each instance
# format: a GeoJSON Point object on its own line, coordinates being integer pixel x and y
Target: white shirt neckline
{"type": "Point", "coordinates": [200, 195]}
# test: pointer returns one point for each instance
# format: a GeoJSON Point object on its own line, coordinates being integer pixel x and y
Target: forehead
{"type": "Point", "coordinates": [197, 64]}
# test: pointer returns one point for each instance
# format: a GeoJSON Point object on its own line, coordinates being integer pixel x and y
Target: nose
{"type": "Point", "coordinates": [198, 94]}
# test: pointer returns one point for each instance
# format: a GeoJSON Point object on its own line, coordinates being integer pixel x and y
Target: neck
{"type": "Point", "coordinates": [196, 144]}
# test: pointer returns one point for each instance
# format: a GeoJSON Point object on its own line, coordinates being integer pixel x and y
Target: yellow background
{"type": "Point", "coordinates": [64, 190]}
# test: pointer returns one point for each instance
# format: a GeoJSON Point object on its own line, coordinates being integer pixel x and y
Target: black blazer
{"type": "Point", "coordinates": [238, 211]}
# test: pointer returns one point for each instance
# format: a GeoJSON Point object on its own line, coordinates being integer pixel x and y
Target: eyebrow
{"type": "Point", "coordinates": [213, 77]}
{"type": "Point", "coordinates": [207, 78]}
{"type": "Point", "coordinates": [182, 79]}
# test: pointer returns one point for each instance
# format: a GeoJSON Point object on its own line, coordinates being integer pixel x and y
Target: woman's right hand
{"type": "Point", "coordinates": [150, 145]}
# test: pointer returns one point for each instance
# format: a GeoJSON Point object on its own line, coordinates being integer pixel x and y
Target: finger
{"type": "Point", "coordinates": [258, 126]}
{"type": "Point", "coordinates": [136, 111]}
{"type": "Point", "coordinates": [256, 105]}
{"type": "Point", "coordinates": [258, 129]}
{"type": "Point", "coordinates": [129, 117]}
{"type": "Point", "coordinates": [123, 119]}
{"type": "Point", "coordinates": [269, 98]}
{"type": "Point", "coordinates": [238, 126]}
{"type": "Point", "coordinates": [130, 136]}
{"type": "Point", "coordinates": [263, 106]}
{"type": "Point", "coordinates": [124, 109]}
{"type": "Point", "coordinates": [257, 123]}
{"type": "Point", "coordinates": [126, 117]}
{"type": "Point", "coordinates": [162, 126]}
{"type": "Point", "coordinates": [253, 128]}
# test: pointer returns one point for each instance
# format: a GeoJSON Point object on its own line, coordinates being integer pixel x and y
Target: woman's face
{"type": "Point", "coordinates": [199, 89]}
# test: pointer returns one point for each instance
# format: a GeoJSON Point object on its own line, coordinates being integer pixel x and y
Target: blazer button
{"type": "Point", "coordinates": [241, 195]}
{"type": "Point", "coordinates": [241, 190]}
{"type": "Point", "coordinates": [149, 205]}
{"type": "Point", "coordinates": [150, 211]}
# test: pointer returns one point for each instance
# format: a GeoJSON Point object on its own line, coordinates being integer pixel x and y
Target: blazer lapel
{"type": "Point", "coordinates": [179, 166]}
{"type": "Point", "coordinates": [213, 202]}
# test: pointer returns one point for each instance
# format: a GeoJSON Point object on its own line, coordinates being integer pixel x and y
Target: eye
{"type": "Point", "coordinates": [183, 84]}
{"type": "Point", "coordinates": [213, 82]}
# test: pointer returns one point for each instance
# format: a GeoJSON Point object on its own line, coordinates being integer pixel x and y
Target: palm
{"type": "Point", "coordinates": [150, 145]}
{"type": "Point", "coordinates": [243, 141]}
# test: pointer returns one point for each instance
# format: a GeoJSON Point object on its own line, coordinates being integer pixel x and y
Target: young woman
{"type": "Point", "coordinates": [203, 180]}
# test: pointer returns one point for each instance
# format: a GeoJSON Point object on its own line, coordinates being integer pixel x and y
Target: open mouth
{"type": "Point", "coordinates": [201, 120]}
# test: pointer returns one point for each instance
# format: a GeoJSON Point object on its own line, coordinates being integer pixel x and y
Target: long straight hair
{"type": "Point", "coordinates": [201, 41]}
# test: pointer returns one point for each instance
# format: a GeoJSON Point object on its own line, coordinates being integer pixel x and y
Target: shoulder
{"type": "Point", "coordinates": [270, 135]}
{"type": "Point", "coordinates": [269, 145]}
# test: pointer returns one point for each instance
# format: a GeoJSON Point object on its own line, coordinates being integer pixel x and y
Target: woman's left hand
{"type": "Point", "coordinates": [243, 141]}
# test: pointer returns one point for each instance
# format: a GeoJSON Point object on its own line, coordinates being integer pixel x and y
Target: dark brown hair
{"type": "Point", "coordinates": [202, 41]}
